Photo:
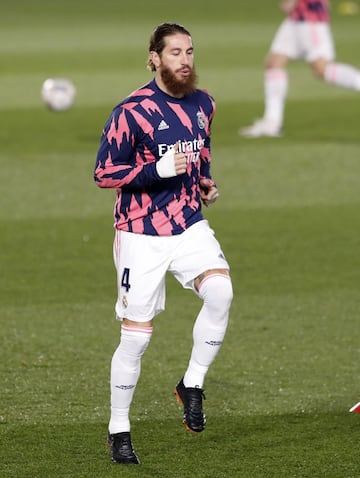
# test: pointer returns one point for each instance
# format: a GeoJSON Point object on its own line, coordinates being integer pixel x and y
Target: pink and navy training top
{"type": "Point", "coordinates": [311, 11]}
{"type": "Point", "coordinates": [141, 129]}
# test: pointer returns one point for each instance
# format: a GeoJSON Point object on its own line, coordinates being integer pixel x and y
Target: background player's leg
{"type": "Point", "coordinates": [342, 75]}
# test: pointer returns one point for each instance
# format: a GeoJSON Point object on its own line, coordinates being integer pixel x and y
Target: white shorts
{"type": "Point", "coordinates": [307, 41]}
{"type": "Point", "coordinates": [142, 261]}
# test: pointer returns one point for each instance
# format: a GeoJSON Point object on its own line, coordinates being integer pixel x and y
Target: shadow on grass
{"type": "Point", "coordinates": [321, 445]}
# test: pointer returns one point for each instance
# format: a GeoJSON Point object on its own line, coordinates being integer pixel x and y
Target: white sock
{"type": "Point", "coordinates": [342, 75]}
{"type": "Point", "coordinates": [125, 372]}
{"type": "Point", "coordinates": [276, 88]}
{"type": "Point", "coordinates": [209, 328]}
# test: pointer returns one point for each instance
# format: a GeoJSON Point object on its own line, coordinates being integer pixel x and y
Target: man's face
{"type": "Point", "coordinates": [176, 65]}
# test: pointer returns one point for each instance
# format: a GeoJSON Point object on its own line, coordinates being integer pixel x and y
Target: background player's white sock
{"type": "Point", "coordinates": [342, 75]}
{"type": "Point", "coordinates": [276, 88]}
{"type": "Point", "coordinates": [125, 372]}
{"type": "Point", "coordinates": [209, 328]}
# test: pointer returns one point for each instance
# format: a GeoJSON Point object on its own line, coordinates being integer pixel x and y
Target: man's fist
{"type": "Point", "coordinates": [208, 191]}
{"type": "Point", "coordinates": [172, 163]}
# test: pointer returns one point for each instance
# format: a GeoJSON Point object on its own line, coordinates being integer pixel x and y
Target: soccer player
{"type": "Point", "coordinates": [155, 152]}
{"type": "Point", "coordinates": [304, 35]}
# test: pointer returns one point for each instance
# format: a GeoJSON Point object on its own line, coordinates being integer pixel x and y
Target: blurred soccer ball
{"type": "Point", "coordinates": [58, 93]}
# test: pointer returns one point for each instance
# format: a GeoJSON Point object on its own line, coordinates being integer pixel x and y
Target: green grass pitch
{"type": "Point", "coordinates": [279, 392]}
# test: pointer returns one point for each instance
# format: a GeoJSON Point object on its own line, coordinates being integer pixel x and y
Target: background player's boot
{"type": "Point", "coordinates": [191, 398]}
{"type": "Point", "coordinates": [261, 128]}
{"type": "Point", "coordinates": [122, 450]}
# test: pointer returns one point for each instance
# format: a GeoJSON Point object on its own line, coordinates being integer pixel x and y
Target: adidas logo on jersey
{"type": "Point", "coordinates": [163, 125]}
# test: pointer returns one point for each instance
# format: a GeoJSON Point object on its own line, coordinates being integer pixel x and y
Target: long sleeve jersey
{"type": "Point", "coordinates": [311, 11]}
{"type": "Point", "coordinates": [139, 131]}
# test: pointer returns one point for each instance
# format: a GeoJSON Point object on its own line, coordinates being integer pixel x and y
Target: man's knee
{"type": "Point", "coordinates": [216, 290]}
{"type": "Point", "coordinates": [318, 68]}
{"type": "Point", "coordinates": [275, 61]}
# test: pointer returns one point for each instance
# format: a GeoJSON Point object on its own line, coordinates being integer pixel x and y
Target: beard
{"type": "Point", "coordinates": [176, 87]}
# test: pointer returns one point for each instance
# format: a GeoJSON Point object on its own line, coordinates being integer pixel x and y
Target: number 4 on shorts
{"type": "Point", "coordinates": [125, 279]}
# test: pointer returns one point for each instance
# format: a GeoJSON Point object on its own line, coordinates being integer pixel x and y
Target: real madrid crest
{"type": "Point", "coordinates": [201, 120]}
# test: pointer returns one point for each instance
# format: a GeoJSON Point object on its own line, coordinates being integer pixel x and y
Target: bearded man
{"type": "Point", "coordinates": [155, 153]}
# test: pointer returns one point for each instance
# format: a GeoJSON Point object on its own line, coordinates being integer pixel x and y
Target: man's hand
{"type": "Point", "coordinates": [286, 6]}
{"type": "Point", "coordinates": [172, 163]}
{"type": "Point", "coordinates": [208, 191]}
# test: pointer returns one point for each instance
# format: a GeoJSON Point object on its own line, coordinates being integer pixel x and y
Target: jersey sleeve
{"type": "Point", "coordinates": [205, 153]}
{"type": "Point", "coordinates": [118, 163]}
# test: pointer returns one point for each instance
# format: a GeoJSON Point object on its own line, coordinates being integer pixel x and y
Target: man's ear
{"type": "Point", "coordinates": [155, 59]}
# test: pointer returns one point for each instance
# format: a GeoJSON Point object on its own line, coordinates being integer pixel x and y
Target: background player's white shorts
{"type": "Point", "coordinates": [142, 261]}
{"type": "Point", "coordinates": [307, 41]}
